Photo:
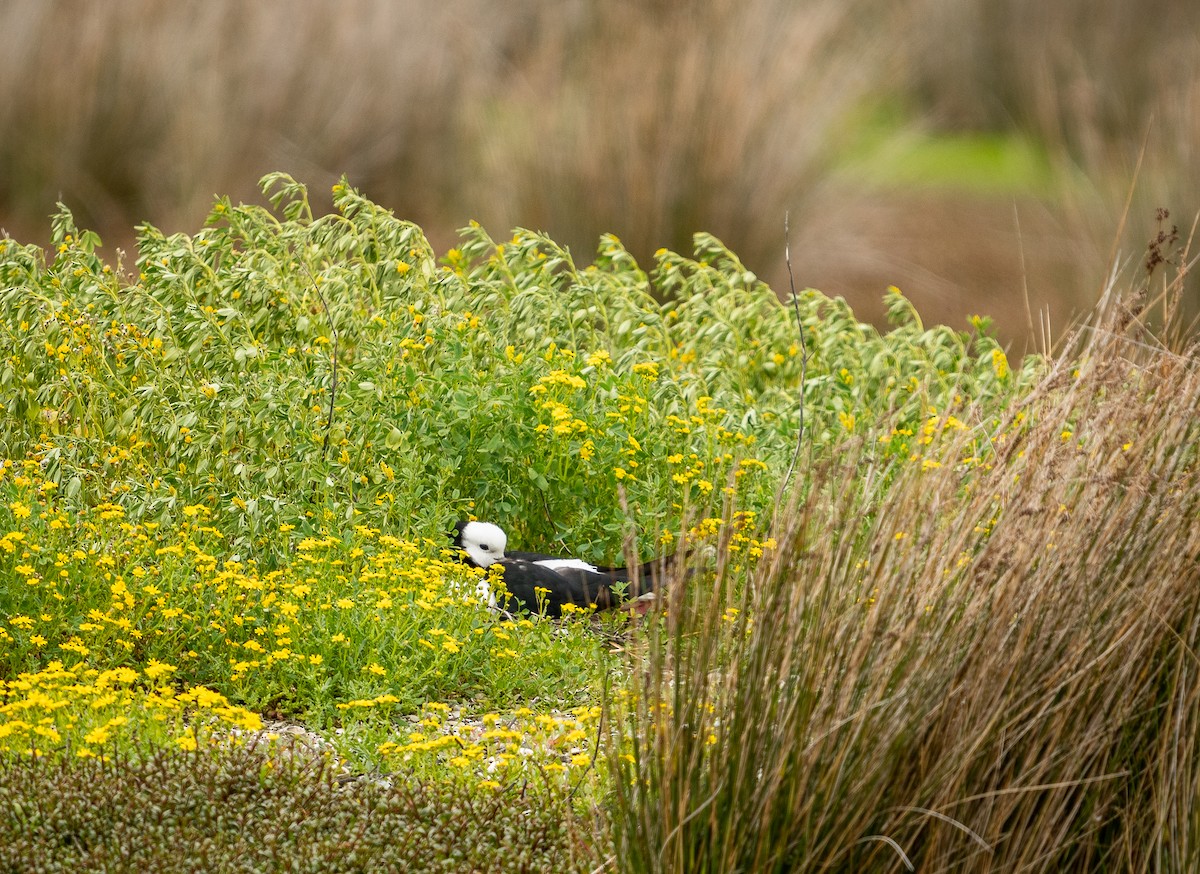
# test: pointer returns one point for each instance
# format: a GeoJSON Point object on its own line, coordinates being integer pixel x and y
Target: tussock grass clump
{"type": "Point", "coordinates": [241, 810]}
{"type": "Point", "coordinates": [988, 665]}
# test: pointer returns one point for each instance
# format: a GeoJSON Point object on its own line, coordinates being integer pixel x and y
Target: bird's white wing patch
{"type": "Point", "coordinates": [482, 593]}
{"type": "Point", "coordinates": [485, 594]}
{"type": "Point", "coordinates": [577, 564]}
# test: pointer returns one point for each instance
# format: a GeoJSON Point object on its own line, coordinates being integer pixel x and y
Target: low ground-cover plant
{"type": "Point", "coordinates": [241, 809]}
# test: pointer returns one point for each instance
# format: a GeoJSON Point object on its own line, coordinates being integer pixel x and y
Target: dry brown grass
{"type": "Point", "coordinates": [987, 670]}
{"type": "Point", "coordinates": [143, 111]}
{"type": "Point", "coordinates": [651, 121]}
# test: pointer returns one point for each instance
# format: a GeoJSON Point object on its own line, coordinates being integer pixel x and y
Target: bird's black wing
{"type": "Point", "coordinates": [537, 588]}
{"type": "Point", "coordinates": [585, 588]}
{"type": "Point", "coordinates": [648, 576]}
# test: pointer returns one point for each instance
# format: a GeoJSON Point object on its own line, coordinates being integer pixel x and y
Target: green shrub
{"type": "Point", "coordinates": [505, 382]}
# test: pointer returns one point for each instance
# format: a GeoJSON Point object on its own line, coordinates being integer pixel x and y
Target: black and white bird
{"type": "Point", "coordinates": [545, 583]}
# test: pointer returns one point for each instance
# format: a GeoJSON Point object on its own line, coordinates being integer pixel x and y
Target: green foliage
{"type": "Point", "coordinates": [505, 382]}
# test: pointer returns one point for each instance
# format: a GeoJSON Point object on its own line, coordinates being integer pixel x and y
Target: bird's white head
{"type": "Point", "coordinates": [483, 542]}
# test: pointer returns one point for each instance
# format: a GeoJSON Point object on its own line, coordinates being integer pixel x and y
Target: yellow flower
{"type": "Point", "coordinates": [999, 363]}
{"type": "Point", "coordinates": [561, 377]}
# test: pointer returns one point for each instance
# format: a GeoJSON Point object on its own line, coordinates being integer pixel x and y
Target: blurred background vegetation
{"type": "Point", "coordinates": [977, 153]}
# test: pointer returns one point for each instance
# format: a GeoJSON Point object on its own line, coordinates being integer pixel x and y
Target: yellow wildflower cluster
{"type": "Point", "coordinates": [107, 596]}
{"type": "Point", "coordinates": [999, 364]}
{"type": "Point", "coordinates": [934, 425]}
{"type": "Point", "coordinates": [562, 378]}
{"type": "Point", "coordinates": [742, 540]}
{"type": "Point", "coordinates": [563, 420]}
{"type": "Point", "coordinates": [41, 710]}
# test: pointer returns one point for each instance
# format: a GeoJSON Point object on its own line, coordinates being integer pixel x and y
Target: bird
{"type": "Point", "coordinates": [541, 583]}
